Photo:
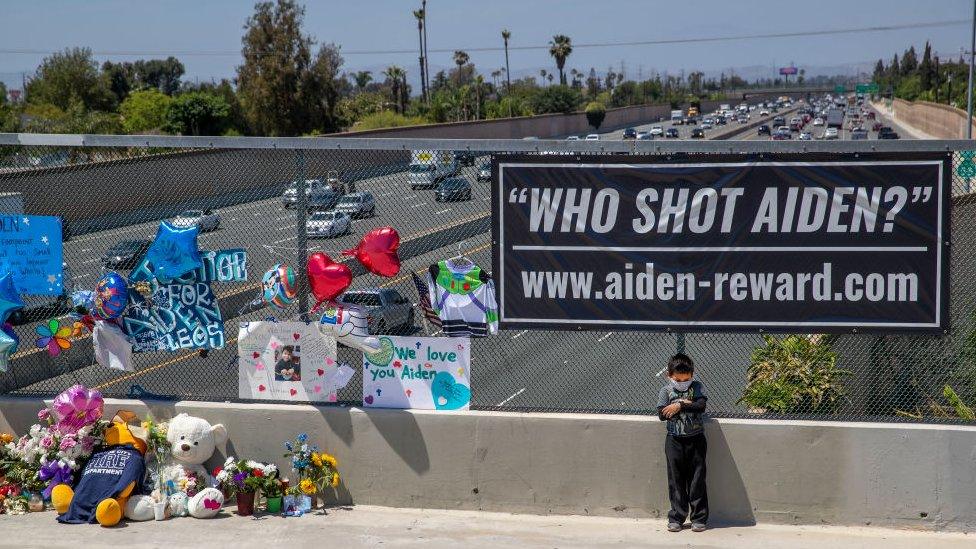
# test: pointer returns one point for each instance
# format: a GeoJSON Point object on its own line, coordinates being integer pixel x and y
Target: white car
{"type": "Point", "coordinates": [644, 136]}
{"type": "Point", "coordinates": [830, 133]}
{"type": "Point", "coordinates": [328, 224]}
{"type": "Point", "coordinates": [657, 131]}
{"type": "Point", "coordinates": [204, 220]}
{"type": "Point", "coordinates": [593, 137]}
{"type": "Point", "coordinates": [818, 121]}
{"type": "Point", "coordinates": [573, 138]}
{"type": "Point", "coordinates": [706, 125]}
{"type": "Point", "coordinates": [805, 136]}
{"type": "Point", "coordinates": [764, 112]}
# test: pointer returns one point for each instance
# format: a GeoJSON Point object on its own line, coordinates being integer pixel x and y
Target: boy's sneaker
{"type": "Point", "coordinates": [674, 527]}
{"type": "Point", "coordinates": [698, 527]}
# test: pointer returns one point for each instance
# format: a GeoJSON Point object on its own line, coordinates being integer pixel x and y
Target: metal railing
{"type": "Point", "coordinates": [113, 189]}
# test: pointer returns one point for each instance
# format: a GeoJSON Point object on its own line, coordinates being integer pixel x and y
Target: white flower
{"type": "Point", "coordinates": [35, 430]}
{"type": "Point", "coordinates": [230, 460]}
{"type": "Point", "coordinates": [223, 476]}
{"type": "Point", "coordinates": [251, 464]}
{"type": "Point", "coordinates": [270, 469]}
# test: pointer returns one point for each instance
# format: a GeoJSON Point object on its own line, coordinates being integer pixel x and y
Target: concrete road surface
{"type": "Point", "coordinates": [367, 526]}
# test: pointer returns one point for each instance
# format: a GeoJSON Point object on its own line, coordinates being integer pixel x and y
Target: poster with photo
{"type": "Point", "coordinates": [424, 373]}
{"type": "Point", "coordinates": [288, 361]}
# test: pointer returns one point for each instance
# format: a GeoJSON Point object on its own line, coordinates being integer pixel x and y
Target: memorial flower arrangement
{"type": "Point", "coordinates": [58, 446]}
{"type": "Point", "coordinates": [315, 470]}
{"type": "Point", "coordinates": [244, 476]}
{"type": "Point", "coordinates": [159, 449]}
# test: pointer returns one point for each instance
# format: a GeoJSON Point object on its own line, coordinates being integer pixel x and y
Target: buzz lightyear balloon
{"type": "Point", "coordinates": [350, 326]}
{"type": "Point", "coordinates": [278, 286]}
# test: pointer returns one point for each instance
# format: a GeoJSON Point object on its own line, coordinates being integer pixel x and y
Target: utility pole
{"type": "Point", "coordinates": [423, 6]}
{"type": "Point", "coordinates": [969, 89]}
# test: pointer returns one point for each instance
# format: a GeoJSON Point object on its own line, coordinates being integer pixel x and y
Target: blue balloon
{"type": "Point", "coordinates": [9, 298]}
{"type": "Point", "coordinates": [84, 299]}
{"type": "Point", "coordinates": [111, 296]}
{"type": "Point", "coordinates": [174, 252]}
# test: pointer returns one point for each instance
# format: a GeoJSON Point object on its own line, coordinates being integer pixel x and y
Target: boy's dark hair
{"type": "Point", "coordinates": [289, 349]}
{"type": "Point", "coordinates": [681, 363]}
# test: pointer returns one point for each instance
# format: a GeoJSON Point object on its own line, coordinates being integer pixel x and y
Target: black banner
{"type": "Point", "coordinates": [784, 243]}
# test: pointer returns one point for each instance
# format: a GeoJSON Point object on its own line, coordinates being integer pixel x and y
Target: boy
{"type": "Point", "coordinates": [287, 368]}
{"type": "Point", "coordinates": [681, 403]}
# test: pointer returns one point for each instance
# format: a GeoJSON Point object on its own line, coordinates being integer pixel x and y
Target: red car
{"type": "Point", "coordinates": [876, 126]}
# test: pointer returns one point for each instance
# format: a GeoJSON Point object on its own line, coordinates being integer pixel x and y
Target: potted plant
{"type": "Point", "coordinates": [273, 492]}
{"type": "Point", "coordinates": [243, 478]}
{"type": "Point", "coordinates": [794, 374]}
{"type": "Point", "coordinates": [315, 470]}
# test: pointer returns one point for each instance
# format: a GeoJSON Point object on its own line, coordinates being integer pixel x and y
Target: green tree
{"type": "Point", "coordinates": [362, 79]}
{"type": "Point", "coordinates": [162, 74]}
{"type": "Point", "coordinates": [556, 99]}
{"type": "Point", "coordinates": [119, 77]}
{"type": "Point", "coordinates": [3, 94]}
{"type": "Point", "coordinates": [396, 80]}
{"type": "Point", "coordinates": [909, 62]}
{"type": "Point", "coordinates": [197, 113]}
{"type": "Point", "coordinates": [280, 90]}
{"type": "Point", "coordinates": [926, 69]}
{"type": "Point", "coordinates": [595, 113]}
{"type": "Point", "coordinates": [68, 77]}
{"type": "Point", "coordinates": [460, 59]}
{"type": "Point", "coordinates": [559, 48]}
{"type": "Point", "coordinates": [144, 110]}
{"type": "Point", "coordinates": [506, 34]}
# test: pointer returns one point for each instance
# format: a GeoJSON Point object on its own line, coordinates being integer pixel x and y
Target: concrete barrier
{"type": "Point", "coordinates": [927, 120]}
{"type": "Point", "coordinates": [919, 476]}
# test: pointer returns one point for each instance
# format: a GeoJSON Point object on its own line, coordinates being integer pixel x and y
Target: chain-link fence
{"type": "Point", "coordinates": [112, 193]}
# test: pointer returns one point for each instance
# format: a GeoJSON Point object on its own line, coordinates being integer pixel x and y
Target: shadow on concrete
{"type": "Point", "coordinates": [339, 421]}
{"type": "Point", "coordinates": [401, 432]}
{"type": "Point", "coordinates": [728, 500]}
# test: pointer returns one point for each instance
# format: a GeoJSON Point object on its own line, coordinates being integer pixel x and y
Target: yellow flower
{"type": "Point", "coordinates": [5, 438]}
{"type": "Point", "coordinates": [317, 460]}
{"type": "Point", "coordinates": [307, 486]}
{"type": "Point", "coordinates": [146, 425]}
{"type": "Point", "coordinates": [335, 479]}
{"type": "Point", "coordinates": [330, 461]}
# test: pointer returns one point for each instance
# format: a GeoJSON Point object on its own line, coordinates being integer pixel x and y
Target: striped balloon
{"type": "Point", "coordinates": [278, 286]}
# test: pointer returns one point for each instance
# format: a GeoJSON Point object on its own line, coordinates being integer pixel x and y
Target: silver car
{"type": "Point", "coordinates": [205, 220]}
{"type": "Point", "coordinates": [328, 224]}
{"type": "Point", "coordinates": [387, 310]}
{"type": "Point", "coordinates": [320, 194]}
{"type": "Point", "coordinates": [357, 204]}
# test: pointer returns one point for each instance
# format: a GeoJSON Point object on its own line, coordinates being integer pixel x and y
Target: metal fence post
{"type": "Point", "coordinates": [301, 246]}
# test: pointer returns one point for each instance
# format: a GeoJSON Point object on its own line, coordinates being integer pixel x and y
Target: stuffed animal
{"type": "Point", "coordinates": [109, 478]}
{"type": "Point", "coordinates": [192, 442]}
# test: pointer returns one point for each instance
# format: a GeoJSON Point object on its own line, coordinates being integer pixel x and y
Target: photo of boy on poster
{"type": "Point", "coordinates": [288, 363]}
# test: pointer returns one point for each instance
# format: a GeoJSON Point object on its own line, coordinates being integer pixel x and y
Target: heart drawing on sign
{"type": "Point", "coordinates": [274, 345]}
{"type": "Point", "coordinates": [259, 366]}
{"type": "Point", "coordinates": [211, 504]}
{"type": "Point", "coordinates": [296, 335]}
{"type": "Point", "coordinates": [255, 354]}
{"type": "Point", "coordinates": [293, 392]}
{"type": "Point", "coordinates": [261, 388]}
{"type": "Point", "coordinates": [409, 392]}
{"type": "Point", "coordinates": [320, 371]}
{"type": "Point", "coordinates": [368, 399]}
{"type": "Point", "coordinates": [449, 394]}
{"type": "Point", "coordinates": [384, 355]}
{"type": "Point", "coordinates": [317, 388]}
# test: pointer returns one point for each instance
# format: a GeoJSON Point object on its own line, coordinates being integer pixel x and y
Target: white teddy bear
{"type": "Point", "coordinates": [192, 442]}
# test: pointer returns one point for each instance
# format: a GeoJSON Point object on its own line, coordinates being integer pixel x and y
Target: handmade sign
{"type": "Point", "coordinates": [428, 373]}
{"type": "Point", "coordinates": [182, 313]}
{"type": "Point", "coordinates": [30, 248]}
{"type": "Point", "coordinates": [288, 361]}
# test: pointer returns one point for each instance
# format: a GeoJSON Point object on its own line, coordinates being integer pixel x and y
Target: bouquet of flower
{"type": "Point", "coordinates": [244, 476]}
{"type": "Point", "coordinates": [315, 470]}
{"type": "Point", "coordinates": [159, 449]}
{"type": "Point", "coordinates": [56, 448]}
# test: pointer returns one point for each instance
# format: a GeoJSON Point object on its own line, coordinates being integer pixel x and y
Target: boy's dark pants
{"type": "Point", "coordinates": [686, 478]}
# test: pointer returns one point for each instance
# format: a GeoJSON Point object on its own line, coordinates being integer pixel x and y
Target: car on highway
{"type": "Point", "coordinates": [657, 131]}
{"type": "Point", "coordinates": [334, 182]}
{"type": "Point", "coordinates": [671, 133]}
{"type": "Point", "coordinates": [870, 115]}
{"type": "Point", "coordinates": [464, 158]}
{"type": "Point", "coordinates": [593, 137]}
{"type": "Point", "coordinates": [644, 136]}
{"type": "Point", "coordinates": [203, 220]}
{"type": "Point", "coordinates": [572, 138]}
{"type": "Point", "coordinates": [328, 224]}
{"type": "Point", "coordinates": [859, 133]}
{"type": "Point", "coordinates": [887, 133]}
{"type": "Point", "coordinates": [743, 118]}
{"type": "Point", "coordinates": [454, 188]}
{"type": "Point", "coordinates": [630, 133]}
{"type": "Point", "coordinates": [318, 195]}
{"type": "Point", "coordinates": [361, 204]}
{"type": "Point", "coordinates": [721, 120]}
{"type": "Point", "coordinates": [763, 129]}
{"type": "Point", "coordinates": [818, 121]}
{"type": "Point", "coordinates": [387, 310]}
{"type": "Point", "coordinates": [698, 133]}
{"type": "Point", "coordinates": [779, 121]}
{"type": "Point", "coordinates": [763, 112]}
{"type": "Point", "coordinates": [876, 127]}
{"type": "Point", "coordinates": [125, 254]}
{"type": "Point", "coordinates": [484, 171]}
{"type": "Point", "coordinates": [428, 167]}
{"type": "Point", "coordinates": [781, 133]}
{"type": "Point", "coordinates": [805, 136]}
{"type": "Point", "coordinates": [706, 125]}
{"type": "Point", "coordinates": [690, 120]}
{"type": "Point", "coordinates": [830, 133]}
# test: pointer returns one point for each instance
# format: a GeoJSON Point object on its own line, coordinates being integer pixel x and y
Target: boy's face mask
{"type": "Point", "coordinates": [682, 385]}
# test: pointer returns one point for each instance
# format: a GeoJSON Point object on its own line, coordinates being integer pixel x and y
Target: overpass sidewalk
{"type": "Point", "coordinates": [366, 526]}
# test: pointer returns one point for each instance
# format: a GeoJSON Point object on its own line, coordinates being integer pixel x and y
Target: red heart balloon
{"type": "Point", "coordinates": [377, 251]}
{"type": "Point", "coordinates": [327, 278]}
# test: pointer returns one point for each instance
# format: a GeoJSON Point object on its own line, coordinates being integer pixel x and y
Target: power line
{"type": "Point", "coordinates": [700, 39]}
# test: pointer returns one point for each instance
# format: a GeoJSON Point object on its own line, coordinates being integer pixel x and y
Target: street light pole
{"type": "Point", "coordinates": [969, 89]}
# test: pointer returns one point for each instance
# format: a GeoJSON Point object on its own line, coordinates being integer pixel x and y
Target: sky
{"type": "Point", "coordinates": [206, 35]}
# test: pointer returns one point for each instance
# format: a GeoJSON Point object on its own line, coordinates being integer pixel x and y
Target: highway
{"type": "Point", "coordinates": [550, 370]}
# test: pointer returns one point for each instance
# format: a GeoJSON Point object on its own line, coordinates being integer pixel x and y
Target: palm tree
{"type": "Point", "coordinates": [419, 14]}
{"type": "Point", "coordinates": [550, 77]}
{"type": "Point", "coordinates": [559, 48]}
{"type": "Point", "coordinates": [362, 79]}
{"type": "Point", "coordinates": [494, 77]}
{"type": "Point", "coordinates": [479, 83]}
{"type": "Point", "coordinates": [506, 34]}
{"type": "Point", "coordinates": [543, 73]}
{"type": "Point", "coordinates": [460, 59]}
{"type": "Point", "coordinates": [396, 77]}
{"type": "Point", "coordinates": [575, 74]}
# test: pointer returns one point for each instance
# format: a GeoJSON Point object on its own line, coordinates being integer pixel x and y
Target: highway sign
{"type": "Point", "coordinates": [866, 88]}
{"type": "Point", "coordinates": [840, 89]}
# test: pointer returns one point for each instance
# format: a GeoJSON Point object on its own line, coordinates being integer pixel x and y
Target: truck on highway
{"type": "Point", "coordinates": [428, 168]}
{"type": "Point", "coordinates": [695, 109]}
{"type": "Point", "coordinates": [677, 115]}
{"type": "Point", "coordinates": [835, 118]}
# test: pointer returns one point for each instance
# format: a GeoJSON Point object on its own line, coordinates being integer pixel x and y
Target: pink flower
{"type": "Point", "coordinates": [44, 414]}
{"type": "Point", "coordinates": [47, 442]}
{"type": "Point", "coordinates": [77, 407]}
{"type": "Point", "coordinates": [88, 444]}
{"type": "Point", "coordinates": [68, 443]}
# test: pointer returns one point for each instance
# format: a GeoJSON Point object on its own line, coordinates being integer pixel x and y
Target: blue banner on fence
{"type": "Point", "coordinates": [183, 313]}
{"type": "Point", "coordinates": [30, 248]}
